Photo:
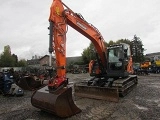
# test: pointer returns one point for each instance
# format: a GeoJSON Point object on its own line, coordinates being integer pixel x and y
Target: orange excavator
{"type": "Point", "coordinates": [110, 71]}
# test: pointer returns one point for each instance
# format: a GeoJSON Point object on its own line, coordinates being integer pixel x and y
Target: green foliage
{"type": "Point", "coordinates": [110, 43]}
{"type": "Point", "coordinates": [7, 60]}
{"type": "Point", "coordinates": [15, 58]}
{"type": "Point", "coordinates": [89, 52]}
{"type": "Point", "coordinates": [123, 41]}
{"type": "Point", "coordinates": [137, 49]}
{"type": "Point", "coordinates": [22, 63]}
{"type": "Point", "coordinates": [85, 55]}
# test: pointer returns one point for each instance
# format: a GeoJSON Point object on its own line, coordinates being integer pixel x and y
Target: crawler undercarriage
{"type": "Point", "coordinates": [110, 91]}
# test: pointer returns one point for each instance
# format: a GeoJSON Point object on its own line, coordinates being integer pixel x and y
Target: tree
{"type": "Point", "coordinates": [111, 42]}
{"type": "Point", "coordinates": [7, 60]}
{"type": "Point", "coordinates": [15, 58]}
{"type": "Point", "coordinates": [22, 63]}
{"type": "Point", "coordinates": [135, 45]}
{"type": "Point", "coordinates": [124, 41]}
{"type": "Point", "coordinates": [137, 49]}
{"type": "Point", "coordinates": [88, 54]}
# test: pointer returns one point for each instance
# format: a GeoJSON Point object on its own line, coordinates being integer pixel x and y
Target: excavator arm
{"type": "Point", "coordinates": [59, 19]}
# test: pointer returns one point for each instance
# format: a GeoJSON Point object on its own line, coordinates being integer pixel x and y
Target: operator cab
{"type": "Point", "coordinates": [118, 56]}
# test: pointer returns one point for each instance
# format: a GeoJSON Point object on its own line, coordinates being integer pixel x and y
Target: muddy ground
{"type": "Point", "coordinates": [143, 103]}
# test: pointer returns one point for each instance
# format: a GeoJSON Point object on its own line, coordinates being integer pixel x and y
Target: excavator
{"type": "Point", "coordinates": [110, 81]}
{"type": "Point", "coordinates": [155, 66]}
{"type": "Point", "coordinates": [110, 72]}
{"type": "Point", "coordinates": [144, 67]}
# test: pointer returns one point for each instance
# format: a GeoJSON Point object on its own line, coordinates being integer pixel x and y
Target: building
{"type": "Point", "coordinates": [152, 56]}
{"type": "Point", "coordinates": [40, 62]}
{"type": "Point", "coordinates": [33, 63]}
{"type": "Point", "coordinates": [44, 61]}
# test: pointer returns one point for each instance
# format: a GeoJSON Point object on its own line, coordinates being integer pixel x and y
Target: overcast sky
{"type": "Point", "coordinates": [23, 24]}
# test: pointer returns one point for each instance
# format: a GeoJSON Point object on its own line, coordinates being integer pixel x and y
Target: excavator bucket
{"type": "Point", "coordinates": [103, 93]}
{"type": "Point", "coordinates": [59, 102]}
{"type": "Point", "coordinates": [29, 83]}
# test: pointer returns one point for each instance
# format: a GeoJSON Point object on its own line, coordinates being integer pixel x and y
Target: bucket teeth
{"type": "Point", "coordinates": [59, 103]}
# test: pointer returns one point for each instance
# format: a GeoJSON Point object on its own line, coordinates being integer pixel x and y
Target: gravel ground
{"type": "Point", "coordinates": [143, 103]}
